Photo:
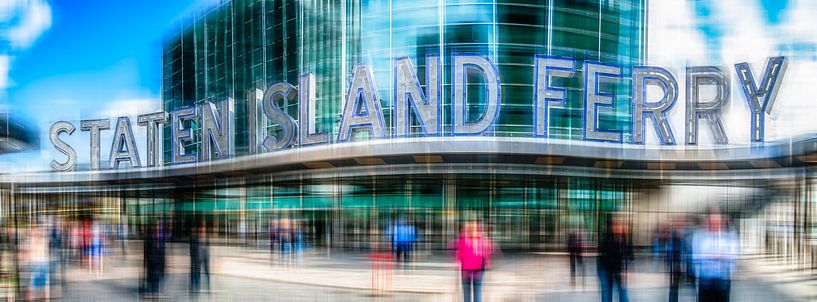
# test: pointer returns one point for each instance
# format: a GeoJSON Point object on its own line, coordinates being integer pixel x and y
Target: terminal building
{"type": "Point", "coordinates": [238, 46]}
{"type": "Point", "coordinates": [529, 190]}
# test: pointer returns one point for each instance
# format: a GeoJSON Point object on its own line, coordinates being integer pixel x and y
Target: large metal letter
{"type": "Point", "coordinates": [151, 122]}
{"type": "Point", "coordinates": [593, 99]}
{"type": "Point", "coordinates": [306, 117]}
{"type": "Point", "coordinates": [94, 126]}
{"type": "Point", "coordinates": [661, 78]}
{"type": "Point", "coordinates": [181, 134]}
{"type": "Point", "coordinates": [546, 95]}
{"type": "Point", "coordinates": [761, 99]}
{"type": "Point", "coordinates": [54, 134]}
{"type": "Point", "coordinates": [408, 91]}
{"type": "Point", "coordinates": [274, 113]}
{"type": "Point", "coordinates": [462, 64]}
{"type": "Point", "coordinates": [123, 146]}
{"type": "Point", "coordinates": [711, 110]}
{"type": "Point", "coordinates": [365, 114]}
{"type": "Point", "coordinates": [217, 130]}
{"type": "Point", "coordinates": [253, 104]}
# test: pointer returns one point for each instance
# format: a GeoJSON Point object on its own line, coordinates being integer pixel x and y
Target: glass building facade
{"type": "Point", "coordinates": [238, 46]}
{"type": "Point", "coordinates": [235, 47]}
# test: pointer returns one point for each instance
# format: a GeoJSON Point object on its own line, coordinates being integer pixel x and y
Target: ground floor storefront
{"type": "Point", "coordinates": [298, 220]}
{"type": "Point", "coordinates": [522, 212]}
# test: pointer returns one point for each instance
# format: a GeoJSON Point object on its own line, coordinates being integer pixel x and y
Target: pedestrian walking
{"type": "Point", "coordinates": [96, 245]}
{"type": "Point", "coordinates": [122, 236]}
{"type": "Point", "coordinates": [154, 262]}
{"type": "Point", "coordinates": [199, 259]}
{"type": "Point", "coordinates": [615, 255]}
{"type": "Point", "coordinates": [575, 253]}
{"type": "Point", "coordinates": [474, 251]}
{"type": "Point", "coordinates": [403, 237]}
{"type": "Point", "coordinates": [715, 251]}
{"type": "Point", "coordinates": [674, 259]}
{"type": "Point", "coordinates": [58, 257]}
{"type": "Point", "coordinates": [37, 259]}
{"type": "Point", "coordinates": [286, 240]}
{"type": "Point", "coordinates": [274, 238]}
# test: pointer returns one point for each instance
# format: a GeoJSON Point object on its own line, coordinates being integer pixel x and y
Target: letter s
{"type": "Point", "coordinates": [54, 134]}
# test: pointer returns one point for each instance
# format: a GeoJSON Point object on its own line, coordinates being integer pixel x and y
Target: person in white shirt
{"type": "Point", "coordinates": [714, 251]}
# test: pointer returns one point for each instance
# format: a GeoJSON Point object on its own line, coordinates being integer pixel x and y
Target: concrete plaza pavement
{"type": "Point", "coordinates": [319, 275]}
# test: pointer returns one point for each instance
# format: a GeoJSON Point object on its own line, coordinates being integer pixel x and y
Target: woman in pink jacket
{"type": "Point", "coordinates": [474, 257]}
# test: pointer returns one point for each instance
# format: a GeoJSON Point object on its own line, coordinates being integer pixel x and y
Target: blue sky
{"type": "Point", "coordinates": [773, 8]}
{"type": "Point", "coordinates": [80, 59]}
{"type": "Point", "coordinates": [95, 51]}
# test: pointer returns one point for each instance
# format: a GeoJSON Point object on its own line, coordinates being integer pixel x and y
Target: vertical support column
{"type": "Point", "coordinates": [15, 244]}
{"type": "Point", "coordinates": [798, 196]}
{"type": "Point", "coordinates": [450, 200]}
{"type": "Point", "coordinates": [337, 216]}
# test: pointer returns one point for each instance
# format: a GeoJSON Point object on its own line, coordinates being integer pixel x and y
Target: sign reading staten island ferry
{"type": "Point", "coordinates": [362, 109]}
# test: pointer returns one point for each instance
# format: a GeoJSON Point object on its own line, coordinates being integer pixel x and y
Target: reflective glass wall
{"type": "Point", "coordinates": [242, 45]}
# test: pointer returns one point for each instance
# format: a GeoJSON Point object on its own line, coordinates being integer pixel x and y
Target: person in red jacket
{"type": "Point", "coordinates": [474, 257]}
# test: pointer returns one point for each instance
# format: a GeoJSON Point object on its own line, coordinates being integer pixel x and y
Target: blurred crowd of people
{"type": "Point", "coordinates": [700, 256]}
{"type": "Point", "coordinates": [37, 256]}
{"type": "Point", "coordinates": [286, 240]}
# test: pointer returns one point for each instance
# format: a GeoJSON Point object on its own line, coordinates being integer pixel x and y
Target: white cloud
{"type": "Point", "coordinates": [673, 39]}
{"type": "Point", "coordinates": [797, 37]}
{"type": "Point", "coordinates": [4, 71]}
{"type": "Point", "coordinates": [25, 21]}
{"type": "Point", "coordinates": [673, 43]}
{"type": "Point", "coordinates": [22, 22]}
{"type": "Point", "coordinates": [744, 35]}
{"type": "Point", "coordinates": [799, 20]}
{"type": "Point", "coordinates": [131, 107]}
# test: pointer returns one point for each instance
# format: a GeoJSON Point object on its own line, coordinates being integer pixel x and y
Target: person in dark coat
{"type": "Point", "coordinates": [199, 259]}
{"type": "Point", "coordinates": [615, 255]}
{"type": "Point", "coordinates": [575, 246]}
{"type": "Point", "coordinates": [154, 256]}
{"type": "Point", "coordinates": [676, 247]}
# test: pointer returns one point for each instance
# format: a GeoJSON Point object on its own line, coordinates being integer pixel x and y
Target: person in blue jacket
{"type": "Point", "coordinates": [403, 237]}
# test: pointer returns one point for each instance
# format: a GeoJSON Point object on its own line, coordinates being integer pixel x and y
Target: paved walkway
{"type": "Point", "coordinates": [797, 279]}
{"type": "Point", "coordinates": [224, 288]}
{"type": "Point", "coordinates": [535, 277]}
